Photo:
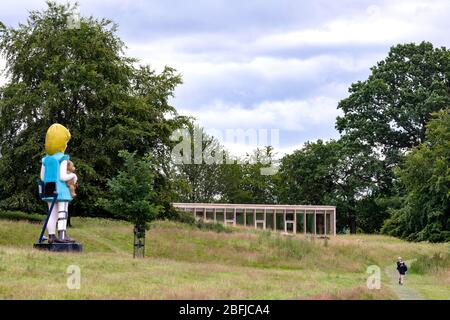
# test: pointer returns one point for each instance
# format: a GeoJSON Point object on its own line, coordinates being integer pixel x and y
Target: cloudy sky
{"type": "Point", "coordinates": [267, 64]}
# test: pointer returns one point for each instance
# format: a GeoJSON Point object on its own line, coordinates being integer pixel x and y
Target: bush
{"type": "Point", "coordinates": [212, 226]}
{"type": "Point", "coordinates": [185, 217]}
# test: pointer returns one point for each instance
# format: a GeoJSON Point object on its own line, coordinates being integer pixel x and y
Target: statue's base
{"type": "Point", "coordinates": [59, 247]}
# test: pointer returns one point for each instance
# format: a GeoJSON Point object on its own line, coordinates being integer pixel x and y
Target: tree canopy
{"type": "Point", "coordinates": [425, 176]}
{"type": "Point", "coordinates": [390, 109]}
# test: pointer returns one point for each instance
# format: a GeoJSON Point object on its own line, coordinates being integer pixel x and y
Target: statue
{"type": "Point", "coordinates": [54, 189]}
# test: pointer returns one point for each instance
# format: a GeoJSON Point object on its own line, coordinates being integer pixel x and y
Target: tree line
{"type": "Point", "coordinates": [388, 172]}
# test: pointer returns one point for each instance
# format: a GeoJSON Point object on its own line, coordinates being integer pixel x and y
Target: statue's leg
{"type": "Point", "coordinates": [62, 222]}
{"type": "Point", "coordinates": [51, 224]}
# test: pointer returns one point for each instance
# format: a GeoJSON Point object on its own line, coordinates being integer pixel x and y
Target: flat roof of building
{"type": "Point", "coordinates": [252, 206]}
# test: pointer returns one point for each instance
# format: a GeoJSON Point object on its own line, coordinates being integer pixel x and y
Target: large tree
{"type": "Point", "coordinates": [390, 109]}
{"type": "Point", "coordinates": [79, 76]}
{"type": "Point", "coordinates": [386, 114]}
{"type": "Point", "coordinates": [425, 175]}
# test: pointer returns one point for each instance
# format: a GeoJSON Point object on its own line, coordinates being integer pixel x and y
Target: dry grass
{"type": "Point", "coordinates": [356, 293]}
{"type": "Point", "coordinates": [186, 263]}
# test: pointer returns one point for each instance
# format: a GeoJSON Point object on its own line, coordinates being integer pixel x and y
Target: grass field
{"type": "Point", "coordinates": [183, 262]}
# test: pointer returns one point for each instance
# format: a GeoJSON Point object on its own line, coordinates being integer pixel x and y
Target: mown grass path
{"type": "Point", "coordinates": [403, 292]}
{"type": "Point", "coordinates": [96, 238]}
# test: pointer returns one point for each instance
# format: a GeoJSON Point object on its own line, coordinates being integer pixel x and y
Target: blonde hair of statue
{"type": "Point", "coordinates": [56, 139]}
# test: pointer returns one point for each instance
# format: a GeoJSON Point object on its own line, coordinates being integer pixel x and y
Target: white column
{"type": "Point", "coordinates": [325, 222]}
{"type": "Point", "coordinates": [314, 222]}
{"type": "Point", "coordinates": [234, 217]}
{"type": "Point", "coordinates": [215, 215]}
{"type": "Point", "coordinates": [275, 219]}
{"type": "Point", "coordinates": [285, 224]}
{"type": "Point", "coordinates": [295, 221]}
{"type": "Point", "coordinates": [264, 219]}
{"type": "Point", "coordinates": [334, 221]}
{"type": "Point", "coordinates": [245, 217]}
{"type": "Point", "coordinates": [204, 214]}
{"type": "Point", "coordinates": [304, 222]}
{"type": "Point", "coordinates": [254, 217]}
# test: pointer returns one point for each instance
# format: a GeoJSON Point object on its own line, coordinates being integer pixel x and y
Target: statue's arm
{"type": "Point", "coordinates": [63, 175]}
{"type": "Point", "coordinates": [42, 172]}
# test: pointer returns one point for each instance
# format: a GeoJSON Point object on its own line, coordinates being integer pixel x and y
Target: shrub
{"type": "Point", "coordinates": [131, 192]}
{"type": "Point", "coordinates": [212, 226]}
{"type": "Point", "coordinates": [185, 217]}
{"type": "Point", "coordinates": [132, 196]}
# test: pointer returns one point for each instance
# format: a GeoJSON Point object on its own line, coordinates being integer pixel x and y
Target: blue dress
{"type": "Point", "coordinates": [52, 164]}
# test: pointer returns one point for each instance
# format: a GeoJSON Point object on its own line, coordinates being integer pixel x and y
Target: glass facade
{"type": "Point", "coordinates": [319, 220]}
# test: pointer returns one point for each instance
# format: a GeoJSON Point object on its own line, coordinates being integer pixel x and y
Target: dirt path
{"type": "Point", "coordinates": [403, 292]}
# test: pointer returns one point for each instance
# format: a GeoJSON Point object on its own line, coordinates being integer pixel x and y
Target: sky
{"type": "Point", "coordinates": [263, 65]}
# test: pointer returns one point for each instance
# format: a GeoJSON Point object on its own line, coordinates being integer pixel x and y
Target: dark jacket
{"type": "Point", "coordinates": [401, 267]}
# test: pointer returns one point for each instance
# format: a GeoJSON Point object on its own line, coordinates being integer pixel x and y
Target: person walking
{"type": "Point", "coordinates": [401, 268]}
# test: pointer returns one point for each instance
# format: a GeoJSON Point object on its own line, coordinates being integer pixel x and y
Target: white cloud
{"type": "Point", "coordinates": [292, 115]}
{"type": "Point", "coordinates": [387, 23]}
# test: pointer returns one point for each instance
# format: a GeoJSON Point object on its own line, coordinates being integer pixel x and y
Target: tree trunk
{"type": "Point", "coordinates": [352, 224]}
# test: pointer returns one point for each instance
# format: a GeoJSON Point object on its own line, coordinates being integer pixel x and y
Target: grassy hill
{"type": "Point", "coordinates": [184, 262]}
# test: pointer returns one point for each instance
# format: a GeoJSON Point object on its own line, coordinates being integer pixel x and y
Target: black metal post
{"type": "Point", "coordinates": [139, 242]}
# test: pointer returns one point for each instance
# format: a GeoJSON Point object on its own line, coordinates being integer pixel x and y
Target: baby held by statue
{"type": "Point", "coordinates": [72, 184]}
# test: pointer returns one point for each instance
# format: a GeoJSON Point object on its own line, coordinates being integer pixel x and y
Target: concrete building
{"type": "Point", "coordinates": [306, 219]}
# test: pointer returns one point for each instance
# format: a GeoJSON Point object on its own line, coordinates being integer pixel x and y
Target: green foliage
{"type": "Point", "coordinates": [185, 217]}
{"type": "Point", "coordinates": [307, 175]}
{"type": "Point", "coordinates": [425, 175]}
{"type": "Point", "coordinates": [385, 116]}
{"type": "Point", "coordinates": [188, 219]}
{"type": "Point", "coordinates": [131, 192]}
{"type": "Point", "coordinates": [332, 173]}
{"type": "Point", "coordinates": [248, 180]}
{"type": "Point", "coordinates": [80, 78]}
{"type": "Point", "coordinates": [390, 109]}
{"type": "Point", "coordinates": [212, 226]}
